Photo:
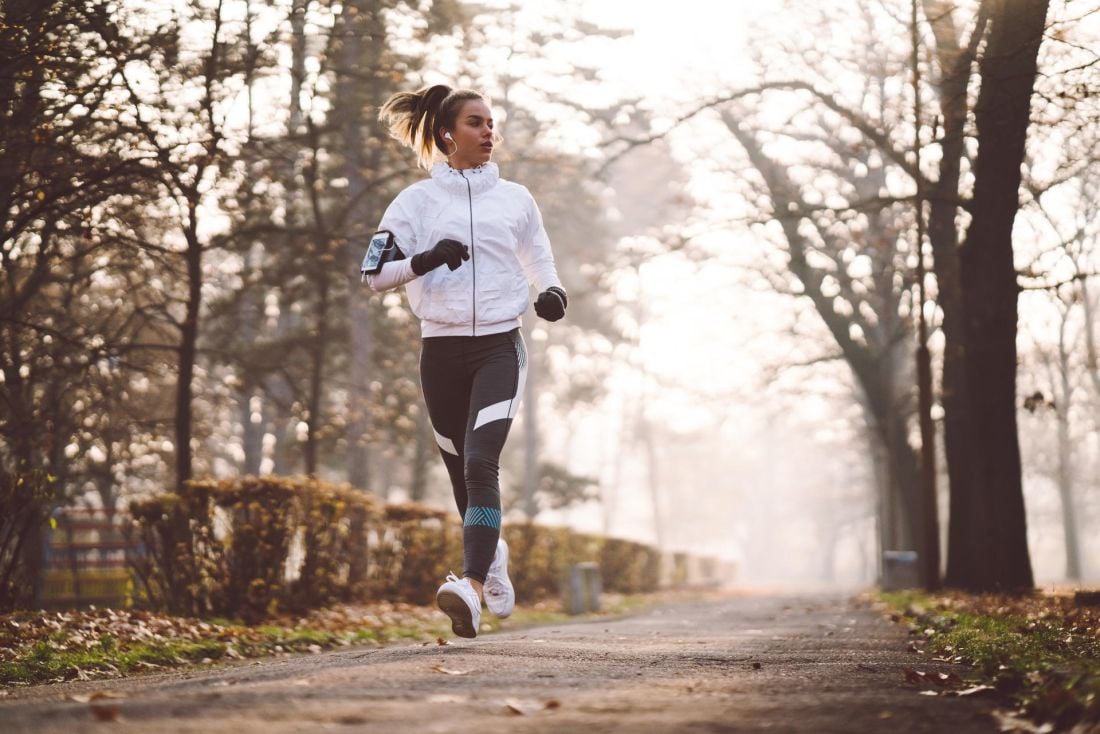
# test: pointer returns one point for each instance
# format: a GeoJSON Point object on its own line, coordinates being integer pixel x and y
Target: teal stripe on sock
{"type": "Point", "coordinates": [487, 516]}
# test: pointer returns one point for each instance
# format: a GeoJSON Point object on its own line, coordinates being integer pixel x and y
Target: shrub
{"type": "Point", "coordinates": [25, 498]}
{"type": "Point", "coordinates": [250, 547]}
{"type": "Point", "coordinates": [416, 546]}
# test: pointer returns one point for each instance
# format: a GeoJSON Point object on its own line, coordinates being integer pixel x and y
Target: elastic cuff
{"type": "Point", "coordinates": [560, 292]}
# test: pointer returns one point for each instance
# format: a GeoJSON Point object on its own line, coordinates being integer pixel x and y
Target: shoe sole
{"type": "Point", "coordinates": [504, 569]}
{"type": "Point", "coordinates": [455, 607]}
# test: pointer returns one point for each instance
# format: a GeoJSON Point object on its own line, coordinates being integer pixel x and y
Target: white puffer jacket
{"type": "Point", "coordinates": [509, 249]}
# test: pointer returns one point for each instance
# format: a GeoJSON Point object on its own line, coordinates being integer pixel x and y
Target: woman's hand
{"type": "Point", "coordinates": [551, 303]}
{"type": "Point", "coordinates": [451, 252]}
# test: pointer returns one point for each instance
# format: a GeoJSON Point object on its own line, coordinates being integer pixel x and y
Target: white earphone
{"type": "Point", "coordinates": [448, 137]}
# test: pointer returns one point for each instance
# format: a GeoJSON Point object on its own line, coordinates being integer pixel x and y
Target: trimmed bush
{"type": "Point", "coordinates": [416, 547]}
{"type": "Point", "coordinates": [224, 547]}
{"type": "Point", "coordinates": [248, 548]}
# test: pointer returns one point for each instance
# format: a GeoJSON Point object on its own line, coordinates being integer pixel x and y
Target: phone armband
{"type": "Point", "coordinates": [381, 250]}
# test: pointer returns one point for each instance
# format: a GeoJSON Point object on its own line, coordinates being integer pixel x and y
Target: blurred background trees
{"type": "Point", "coordinates": [188, 187]}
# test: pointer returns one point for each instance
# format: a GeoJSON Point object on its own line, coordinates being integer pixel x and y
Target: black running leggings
{"type": "Point", "coordinates": [472, 386]}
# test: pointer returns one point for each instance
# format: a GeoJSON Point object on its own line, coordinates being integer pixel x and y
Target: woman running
{"type": "Point", "coordinates": [488, 233]}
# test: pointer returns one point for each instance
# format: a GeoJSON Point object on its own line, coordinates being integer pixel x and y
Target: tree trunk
{"type": "Point", "coordinates": [1092, 361]}
{"type": "Point", "coordinates": [875, 365]}
{"type": "Point", "coordinates": [996, 520]}
{"type": "Point", "coordinates": [362, 42]}
{"type": "Point", "coordinates": [1066, 491]}
{"type": "Point", "coordinates": [964, 473]}
{"type": "Point", "coordinates": [423, 455]}
{"type": "Point", "coordinates": [188, 349]}
{"type": "Point", "coordinates": [529, 504]}
{"type": "Point", "coordinates": [316, 378]}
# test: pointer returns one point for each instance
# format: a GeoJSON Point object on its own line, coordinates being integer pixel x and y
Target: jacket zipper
{"type": "Point", "coordinates": [473, 260]}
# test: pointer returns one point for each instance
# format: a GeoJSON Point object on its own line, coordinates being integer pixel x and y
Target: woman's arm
{"type": "Point", "coordinates": [399, 220]}
{"type": "Point", "coordinates": [392, 274]}
{"type": "Point", "coordinates": [534, 252]}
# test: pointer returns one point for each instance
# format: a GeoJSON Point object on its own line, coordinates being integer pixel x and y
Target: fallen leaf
{"type": "Point", "coordinates": [522, 708]}
{"type": "Point", "coordinates": [440, 641]}
{"type": "Point", "coordinates": [351, 720]}
{"type": "Point", "coordinates": [973, 690]}
{"type": "Point", "coordinates": [914, 676]}
{"type": "Point", "coordinates": [105, 706]}
{"type": "Point", "coordinates": [447, 671]}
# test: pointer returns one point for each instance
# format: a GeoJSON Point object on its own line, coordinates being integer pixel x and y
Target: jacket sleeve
{"type": "Point", "coordinates": [534, 251]}
{"type": "Point", "coordinates": [399, 219]}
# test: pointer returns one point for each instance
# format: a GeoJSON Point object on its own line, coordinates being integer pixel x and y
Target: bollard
{"type": "Point", "coordinates": [581, 588]}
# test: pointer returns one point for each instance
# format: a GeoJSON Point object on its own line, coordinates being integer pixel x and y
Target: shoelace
{"type": "Point", "coordinates": [467, 590]}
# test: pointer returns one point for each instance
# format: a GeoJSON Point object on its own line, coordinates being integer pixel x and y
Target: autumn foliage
{"type": "Point", "coordinates": [254, 547]}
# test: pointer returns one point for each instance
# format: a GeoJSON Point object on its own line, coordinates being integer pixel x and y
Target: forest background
{"type": "Point", "coordinates": [187, 188]}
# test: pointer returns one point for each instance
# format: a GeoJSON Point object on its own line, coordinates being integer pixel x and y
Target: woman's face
{"type": "Point", "coordinates": [472, 137]}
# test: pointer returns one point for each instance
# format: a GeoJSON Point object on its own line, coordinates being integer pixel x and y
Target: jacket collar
{"type": "Point", "coordinates": [480, 179]}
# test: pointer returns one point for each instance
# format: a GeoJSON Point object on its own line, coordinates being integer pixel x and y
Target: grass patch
{"type": "Point", "coordinates": [1040, 652]}
{"type": "Point", "coordinates": [46, 661]}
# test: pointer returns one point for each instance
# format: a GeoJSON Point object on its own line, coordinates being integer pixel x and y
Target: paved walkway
{"type": "Point", "coordinates": [744, 663]}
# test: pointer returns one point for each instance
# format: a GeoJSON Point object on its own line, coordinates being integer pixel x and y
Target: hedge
{"type": "Point", "coordinates": [251, 547]}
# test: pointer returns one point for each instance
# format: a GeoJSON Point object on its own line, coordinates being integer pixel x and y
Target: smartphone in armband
{"type": "Point", "coordinates": [381, 250]}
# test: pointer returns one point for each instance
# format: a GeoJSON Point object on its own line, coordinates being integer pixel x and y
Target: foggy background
{"type": "Point", "coordinates": [693, 397]}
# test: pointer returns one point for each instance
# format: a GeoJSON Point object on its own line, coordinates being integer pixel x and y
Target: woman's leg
{"type": "Point", "coordinates": [446, 384]}
{"type": "Point", "coordinates": [499, 366]}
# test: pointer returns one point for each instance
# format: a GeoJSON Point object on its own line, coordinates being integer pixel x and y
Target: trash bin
{"type": "Point", "coordinates": [899, 570]}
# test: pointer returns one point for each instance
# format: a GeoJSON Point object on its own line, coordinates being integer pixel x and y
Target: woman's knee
{"type": "Point", "coordinates": [481, 471]}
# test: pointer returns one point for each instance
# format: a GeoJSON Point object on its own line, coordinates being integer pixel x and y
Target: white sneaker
{"type": "Point", "coordinates": [460, 602]}
{"type": "Point", "coordinates": [500, 597]}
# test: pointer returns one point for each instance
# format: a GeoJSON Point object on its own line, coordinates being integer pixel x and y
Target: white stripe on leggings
{"type": "Point", "coordinates": [445, 443]}
{"type": "Point", "coordinates": [505, 408]}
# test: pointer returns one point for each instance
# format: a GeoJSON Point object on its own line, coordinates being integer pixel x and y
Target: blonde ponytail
{"type": "Point", "coordinates": [414, 118]}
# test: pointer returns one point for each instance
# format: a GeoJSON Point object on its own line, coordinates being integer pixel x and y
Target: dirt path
{"type": "Point", "coordinates": [738, 664]}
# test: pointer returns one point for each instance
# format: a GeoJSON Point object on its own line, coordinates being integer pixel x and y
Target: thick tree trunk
{"type": "Point", "coordinates": [964, 473]}
{"type": "Point", "coordinates": [997, 522]}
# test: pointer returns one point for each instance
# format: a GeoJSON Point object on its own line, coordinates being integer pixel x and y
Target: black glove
{"type": "Point", "coordinates": [551, 303]}
{"type": "Point", "coordinates": [451, 252]}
